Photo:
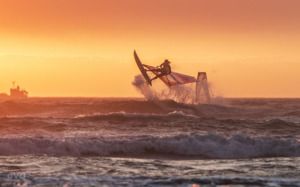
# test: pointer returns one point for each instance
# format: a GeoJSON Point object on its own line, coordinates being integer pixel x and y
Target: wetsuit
{"type": "Point", "coordinates": [165, 69]}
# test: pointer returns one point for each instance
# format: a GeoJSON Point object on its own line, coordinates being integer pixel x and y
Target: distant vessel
{"type": "Point", "coordinates": [15, 93]}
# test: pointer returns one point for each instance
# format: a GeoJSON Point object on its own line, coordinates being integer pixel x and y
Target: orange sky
{"type": "Point", "coordinates": [84, 48]}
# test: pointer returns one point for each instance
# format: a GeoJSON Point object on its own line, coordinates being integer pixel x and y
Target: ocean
{"type": "Point", "coordinates": [134, 142]}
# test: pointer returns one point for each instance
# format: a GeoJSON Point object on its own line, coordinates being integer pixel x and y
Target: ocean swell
{"type": "Point", "coordinates": [122, 116]}
{"type": "Point", "coordinates": [183, 146]}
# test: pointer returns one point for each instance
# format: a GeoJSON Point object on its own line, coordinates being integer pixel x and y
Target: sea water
{"type": "Point", "coordinates": [134, 142]}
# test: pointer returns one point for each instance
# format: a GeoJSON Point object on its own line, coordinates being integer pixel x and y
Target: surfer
{"type": "Point", "coordinates": [163, 70]}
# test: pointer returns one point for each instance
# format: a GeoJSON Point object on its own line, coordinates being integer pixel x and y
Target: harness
{"type": "Point", "coordinates": [166, 69]}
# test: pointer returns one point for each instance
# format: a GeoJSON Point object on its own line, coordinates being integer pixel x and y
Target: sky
{"type": "Point", "coordinates": [85, 48]}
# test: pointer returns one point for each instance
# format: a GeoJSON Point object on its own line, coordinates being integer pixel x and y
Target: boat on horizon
{"type": "Point", "coordinates": [15, 93]}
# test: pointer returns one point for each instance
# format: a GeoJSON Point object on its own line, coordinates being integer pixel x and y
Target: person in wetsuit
{"type": "Point", "coordinates": [163, 70]}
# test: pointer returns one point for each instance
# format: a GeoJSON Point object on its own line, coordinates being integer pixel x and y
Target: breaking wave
{"type": "Point", "coordinates": [212, 146]}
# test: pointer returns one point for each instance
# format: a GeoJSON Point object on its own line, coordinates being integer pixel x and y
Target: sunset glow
{"type": "Point", "coordinates": [85, 48]}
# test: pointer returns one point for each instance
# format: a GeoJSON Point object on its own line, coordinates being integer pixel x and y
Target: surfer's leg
{"type": "Point", "coordinates": [157, 76]}
{"type": "Point", "coordinates": [154, 70]}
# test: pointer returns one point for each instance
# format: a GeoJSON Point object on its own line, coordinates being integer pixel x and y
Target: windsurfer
{"type": "Point", "coordinates": [163, 70]}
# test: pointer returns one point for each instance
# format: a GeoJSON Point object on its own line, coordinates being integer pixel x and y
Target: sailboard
{"type": "Point", "coordinates": [142, 69]}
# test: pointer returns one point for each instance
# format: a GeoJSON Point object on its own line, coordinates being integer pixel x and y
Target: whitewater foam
{"type": "Point", "coordinates": [178, 93]}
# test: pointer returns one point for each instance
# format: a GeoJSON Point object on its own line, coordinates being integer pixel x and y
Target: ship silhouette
{"type": "Point", "coordinates": [15, 93]}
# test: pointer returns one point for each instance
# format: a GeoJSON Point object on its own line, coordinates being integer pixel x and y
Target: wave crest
{"type": "Point", "coordinates": [183, 146]}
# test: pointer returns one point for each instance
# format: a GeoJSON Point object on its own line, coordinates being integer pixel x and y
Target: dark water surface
{"type": "Point", "coordinates": [132, 142]}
